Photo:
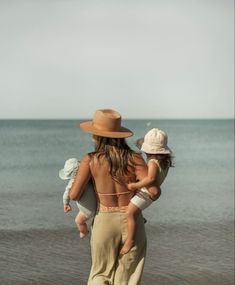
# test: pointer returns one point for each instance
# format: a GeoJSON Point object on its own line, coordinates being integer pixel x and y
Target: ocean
{"type": "Point", "coordinates": [190, 229]}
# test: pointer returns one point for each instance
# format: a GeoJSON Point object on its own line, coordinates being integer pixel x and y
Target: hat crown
{"type": "Point", "coordinates": [107, 120]}
{"type": "Point", "coordinates": [106, 123]}
{"type": "Point", "coordinates": [156, 137]}
{"type": "Point", "coordinates": [155, 142]}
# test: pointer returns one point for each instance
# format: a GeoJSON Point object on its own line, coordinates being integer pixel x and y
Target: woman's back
{"type": "Point", "coordinates": [111, 192]}
{"type": "Point", "coordinates": [112, 165]}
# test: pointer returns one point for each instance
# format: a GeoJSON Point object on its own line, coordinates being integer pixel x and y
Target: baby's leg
{"type": "Point", "coordinates": [131, 213]}
{"type": "Point", "coordinates": [80, 221]}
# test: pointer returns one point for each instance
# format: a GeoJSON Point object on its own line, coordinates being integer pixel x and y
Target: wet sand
{"type": "Point", "coordinates": [180, 254]}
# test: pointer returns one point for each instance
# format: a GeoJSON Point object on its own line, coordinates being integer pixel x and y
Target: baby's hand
{"type": "Point", "coordinates": [67, 208]}
{"type": "Point", "coordinates": [131, 186]}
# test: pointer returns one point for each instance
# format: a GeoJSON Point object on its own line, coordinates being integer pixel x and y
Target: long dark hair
{"type": "Point", "coordinates": [118, 155]}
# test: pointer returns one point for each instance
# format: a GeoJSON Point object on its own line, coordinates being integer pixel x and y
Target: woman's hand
{"type": "Point", "coordinates": [67, 208]}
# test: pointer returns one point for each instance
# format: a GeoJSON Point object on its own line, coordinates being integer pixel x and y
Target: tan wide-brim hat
{"type": "Point", "coordinates": [106, 123]}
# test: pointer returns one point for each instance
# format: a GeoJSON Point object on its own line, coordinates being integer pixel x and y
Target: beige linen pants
{"type": "Point", "coordinates": [109, 267]}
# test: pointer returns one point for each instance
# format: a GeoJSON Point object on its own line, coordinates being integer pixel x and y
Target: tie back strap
{"type": "Point", "coordinates": [113, 194]}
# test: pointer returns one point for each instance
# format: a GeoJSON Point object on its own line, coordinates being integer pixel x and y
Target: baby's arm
{"type": "Point", "coordinates": [148, 180]}
{"type": "Point", "coordinates": [66, 199]}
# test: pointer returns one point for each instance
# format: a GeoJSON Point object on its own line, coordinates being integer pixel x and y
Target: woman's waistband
{"type": "Point", "coordinates": [103, 208]}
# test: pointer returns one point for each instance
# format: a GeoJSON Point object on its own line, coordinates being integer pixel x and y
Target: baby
{"type": "Point", "coordinates": [159, 159]}
{"type": "Point", "coordinates": [86, 204]}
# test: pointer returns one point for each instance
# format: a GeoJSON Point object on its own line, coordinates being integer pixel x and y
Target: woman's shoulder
{"type": "Point", "coordinates": [94, 158]}
{"type": "Point", "coordinates": [139, 163]}
{"type": "Point", "coordinates": [86, 158]}
{"type": "Point", "coordinates": [138, 158]}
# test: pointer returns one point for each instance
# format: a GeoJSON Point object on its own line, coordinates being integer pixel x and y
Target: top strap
{"type": "Point", "coordinates": [113, 194]}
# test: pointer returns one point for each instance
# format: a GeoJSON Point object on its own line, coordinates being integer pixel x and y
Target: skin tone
{"type": "Point", "coordinates": [98, 168]}
{"type": "Point", "coordinates": [67, 208]}
{"type": "Point", "coordinates": [80, 221]}
{"type": "Point", "coordinates": [133, 210]}
{"type": "Point", "coordinates": [148, 180]}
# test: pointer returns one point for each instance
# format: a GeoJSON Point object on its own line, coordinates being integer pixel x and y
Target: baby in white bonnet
{"type": "Point", "coordinates": [86, 204]}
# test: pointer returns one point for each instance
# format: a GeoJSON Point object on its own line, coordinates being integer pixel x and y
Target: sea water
{"type": "Point", "coordinates": [190, 228]}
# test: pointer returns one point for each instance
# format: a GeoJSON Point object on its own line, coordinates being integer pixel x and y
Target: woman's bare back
{"type": "Point", "coordinates": [111, 192]}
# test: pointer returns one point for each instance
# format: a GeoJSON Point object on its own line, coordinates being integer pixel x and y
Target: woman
{"type": "Point", "coordinates": [111, 166]}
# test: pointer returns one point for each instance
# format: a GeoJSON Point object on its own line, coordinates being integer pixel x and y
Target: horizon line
{"type": "Point", "coordinates": [149, 119]}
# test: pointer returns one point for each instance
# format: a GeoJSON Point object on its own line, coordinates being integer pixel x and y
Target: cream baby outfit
{"type": "Point", "coordinates": [142, 199]}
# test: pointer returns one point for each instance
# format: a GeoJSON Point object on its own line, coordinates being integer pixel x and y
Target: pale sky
{"type": "Point", "coordinates": [145, 59]}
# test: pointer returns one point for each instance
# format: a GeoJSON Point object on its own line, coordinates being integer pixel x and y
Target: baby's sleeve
{"type": "Point", "coordinates": [66, 198]}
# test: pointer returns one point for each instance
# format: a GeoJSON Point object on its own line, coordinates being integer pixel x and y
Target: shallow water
{"type": "Point", "coordinates": [177, 254]}
{"type": "Point", "coordinates": [190, 228]}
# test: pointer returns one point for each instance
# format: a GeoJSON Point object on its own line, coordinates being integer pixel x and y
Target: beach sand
{"type": "Point", "coordinates": [49, 257]}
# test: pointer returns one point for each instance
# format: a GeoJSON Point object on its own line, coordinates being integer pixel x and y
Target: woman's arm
{"type": "Point", "coordinates": [81, 179]}
{"type": "Point", "coordinates": [148, 180]}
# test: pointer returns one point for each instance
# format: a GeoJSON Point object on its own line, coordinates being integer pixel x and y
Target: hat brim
{"type": "Point", "coordinates": [153, 150]}
{"type": "Point", "coordinates": [63, 176]}
{"type": "Point", "coordinates": [89, 128]}
{"type": "Point", "coordinates": [139, 142]}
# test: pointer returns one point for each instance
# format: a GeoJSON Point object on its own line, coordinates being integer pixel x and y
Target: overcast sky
{"type": "Point", "coordinates": [146, 59]}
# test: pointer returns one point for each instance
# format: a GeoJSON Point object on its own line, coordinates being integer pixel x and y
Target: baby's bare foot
{"type": "Point", "coordinates": [83, 230]}
{"type": "Point", "coordinates": [82, 235]}
{"type": "Point", "coordinates": [127, 246]}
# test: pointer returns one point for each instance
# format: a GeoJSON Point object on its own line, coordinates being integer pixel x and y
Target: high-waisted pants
{"type": "Point", "coordinates": [109, 267]}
